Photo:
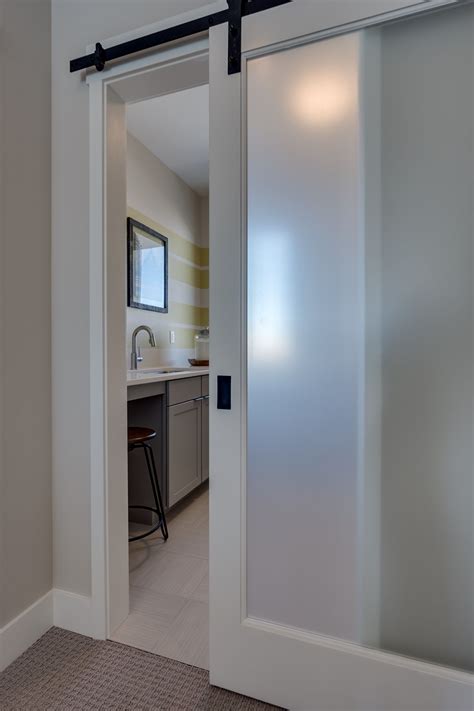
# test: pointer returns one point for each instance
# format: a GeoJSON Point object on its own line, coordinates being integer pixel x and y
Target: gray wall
{"type": "Point", "coordinates": [427, 292]}
{"type": "Point", "coordinates": [25, 321]}
{"type": "Point", "coordinates": [74, 25]}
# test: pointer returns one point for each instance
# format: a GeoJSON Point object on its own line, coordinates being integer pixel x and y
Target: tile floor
{"type": "Point", "coordinates": [169, 588]}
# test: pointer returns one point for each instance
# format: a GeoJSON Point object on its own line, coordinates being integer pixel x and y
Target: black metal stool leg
{"type": "Point", "coordinates": [155, 486]}
{"type": "Point", "coordinates": [150, 457]}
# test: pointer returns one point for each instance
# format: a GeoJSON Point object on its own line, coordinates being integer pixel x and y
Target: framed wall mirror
{"type": "Point", "coordinates": [147, 268]}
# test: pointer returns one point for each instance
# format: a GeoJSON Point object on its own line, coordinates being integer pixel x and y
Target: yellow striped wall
{"type": "Point", "coordinates": [188, 285]}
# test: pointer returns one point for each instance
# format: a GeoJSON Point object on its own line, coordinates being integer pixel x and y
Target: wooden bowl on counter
{"type": "Point", "coordinates": [201, 363]}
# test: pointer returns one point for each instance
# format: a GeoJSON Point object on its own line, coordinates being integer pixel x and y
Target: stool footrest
{"type": "Point", "coordinates": [151, 530]}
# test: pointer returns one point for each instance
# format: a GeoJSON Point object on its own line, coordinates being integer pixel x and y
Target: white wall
{"type": "Point", "coordinates": [74, 26]}
{"type": "Point", "coordinates": [25, 321]}
{"type": "Point", "coordinates": [168, 204]}
{"type": "Point", "coordinates": [427, 339]}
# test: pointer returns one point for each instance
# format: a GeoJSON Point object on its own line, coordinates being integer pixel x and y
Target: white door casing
{"type": "Point", "coordinates": [170, 69]}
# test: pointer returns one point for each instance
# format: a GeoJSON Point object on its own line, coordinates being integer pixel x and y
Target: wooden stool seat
{"type": "Point", "coordinates": [139, 435]}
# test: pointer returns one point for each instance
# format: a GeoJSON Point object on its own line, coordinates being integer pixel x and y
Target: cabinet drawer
{"type": "Point", "coordinates": [205, 385]}
{"type": "Point", "coordinates": [183, 390]}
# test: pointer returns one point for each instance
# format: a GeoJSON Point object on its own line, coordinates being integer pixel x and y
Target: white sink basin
{"type": "Point", "coordinates": [158, 371]}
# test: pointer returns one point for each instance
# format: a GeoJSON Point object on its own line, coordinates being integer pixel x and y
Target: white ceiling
{"type": "Point", "coordinates": [175, 128]}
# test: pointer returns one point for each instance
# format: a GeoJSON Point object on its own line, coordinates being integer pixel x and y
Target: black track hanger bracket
{"type": "Point", "coordinates": [99, 57]}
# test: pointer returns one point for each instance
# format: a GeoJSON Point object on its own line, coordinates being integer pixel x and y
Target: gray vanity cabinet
{"type": "Point", "coordinates": [205, 427]}
{"type": "Point", "coordinates": [205, 438]}
{"type": "Point", "coordinates": [178, 410]}
{"type": "Point", "coordinates": [188, 436]}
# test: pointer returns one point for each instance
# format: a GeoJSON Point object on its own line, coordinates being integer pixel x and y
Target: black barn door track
{"type": "Point", "coordinates": [233, 16]}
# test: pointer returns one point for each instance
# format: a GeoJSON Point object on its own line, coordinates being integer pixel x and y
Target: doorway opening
{"type": "Point", "coordinates": [176, 217]}
{"type": "Point", "coordinates": [166, 347]}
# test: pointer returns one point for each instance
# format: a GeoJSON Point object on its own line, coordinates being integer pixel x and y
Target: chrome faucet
{"type": "Point", "coordinates": [136, 354]}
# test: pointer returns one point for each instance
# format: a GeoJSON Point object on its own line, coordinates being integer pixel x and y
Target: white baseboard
{"type": "Point", "coordinates": [21, 632]}
{"type": "Point", "coordinates": [58, 607]}
{"type": "Point", "coordinates": [72, 612]}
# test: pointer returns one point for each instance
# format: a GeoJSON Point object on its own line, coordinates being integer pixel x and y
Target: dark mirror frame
{"type": "Point", "coordinates": [131, 224]}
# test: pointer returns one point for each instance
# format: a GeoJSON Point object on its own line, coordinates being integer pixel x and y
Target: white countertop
{"type": "Point", "coordinates": [156, 375]}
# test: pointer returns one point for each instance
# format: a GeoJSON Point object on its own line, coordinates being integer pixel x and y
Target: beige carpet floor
{"type": "Point", "coordinates": [65, 671]}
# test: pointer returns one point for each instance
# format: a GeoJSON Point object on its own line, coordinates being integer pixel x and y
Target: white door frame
{"type": "Point", "coordinates": [107, 609]}
{"type": "Point", "coordinates": [169, 69]}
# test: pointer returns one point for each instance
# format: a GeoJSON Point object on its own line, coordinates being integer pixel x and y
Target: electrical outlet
{"type": "Point", "coordinates": [172, 338]}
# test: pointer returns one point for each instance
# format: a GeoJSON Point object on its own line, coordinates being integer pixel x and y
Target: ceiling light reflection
{"type": "Point", "coordinates": [322, 100]}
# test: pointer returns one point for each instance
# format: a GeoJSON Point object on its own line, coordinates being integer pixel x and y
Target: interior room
{"type": "Point", "coordinates": [167, 350]}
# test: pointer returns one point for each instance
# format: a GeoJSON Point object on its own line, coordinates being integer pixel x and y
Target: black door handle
{"type": "Point", "coordinates": [223, 392]}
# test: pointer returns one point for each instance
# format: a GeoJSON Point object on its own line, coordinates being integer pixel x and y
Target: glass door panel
{"type": "Point", "coordinates": [360, 337]}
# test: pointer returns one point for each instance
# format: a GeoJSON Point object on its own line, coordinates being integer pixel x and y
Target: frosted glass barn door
{"type": "Point", "coordinates": [299, 317]}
